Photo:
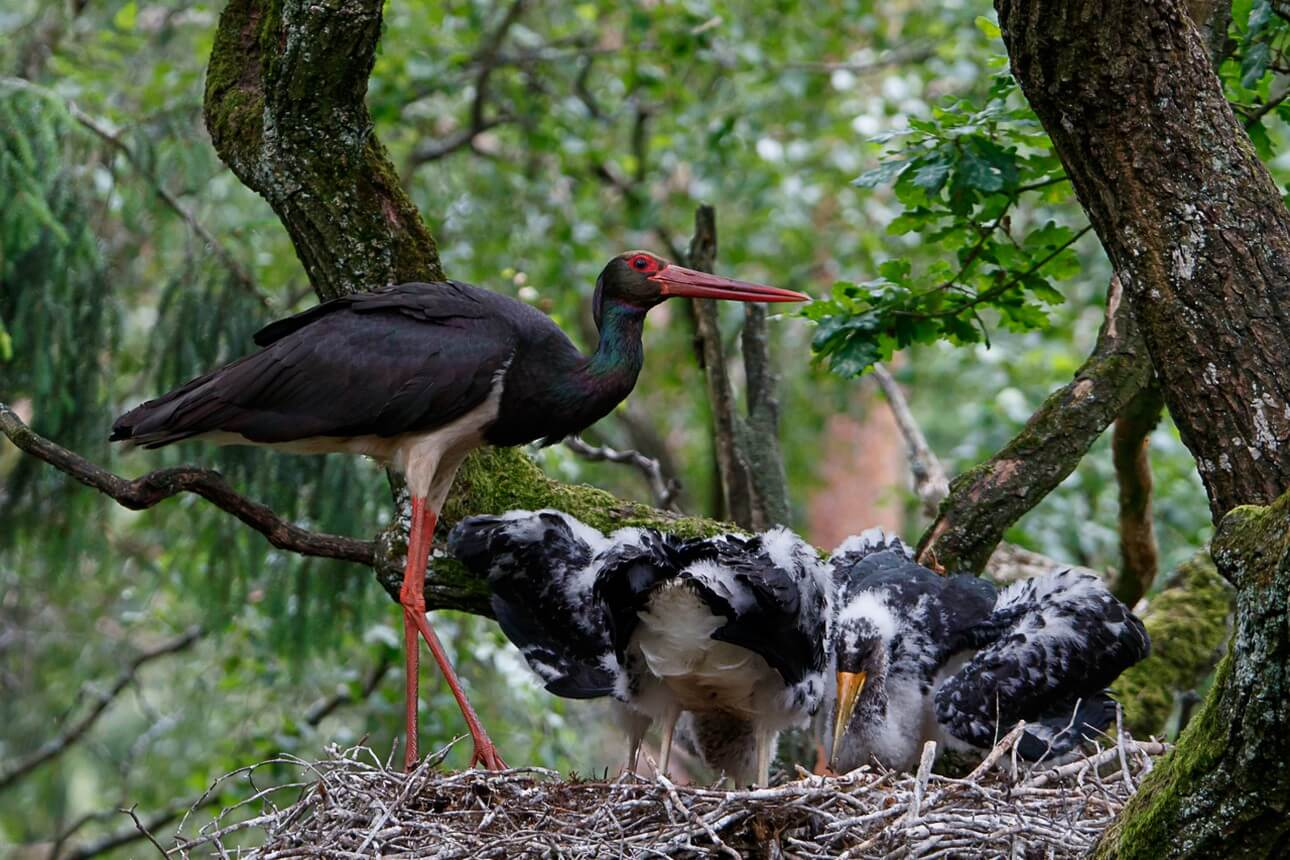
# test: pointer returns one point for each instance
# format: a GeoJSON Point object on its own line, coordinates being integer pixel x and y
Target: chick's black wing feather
{"type": "Point", "coordinates": [1055, 640]}
{"type": "Point", "coordinates": [536, 565]}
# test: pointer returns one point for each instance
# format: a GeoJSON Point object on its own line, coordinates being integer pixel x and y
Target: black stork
{"type": "Point", "coordinates": [418, 375]}
{"type": "Point", "coordinates": [728, 630]}
{"type": "Point", "coordinates": [919, 656]}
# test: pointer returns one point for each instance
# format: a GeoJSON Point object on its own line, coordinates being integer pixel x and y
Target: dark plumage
{"type": "Point", "coordinates": [952, 659]}
{"type": "Point", "coordinates": [418, 375]}
{"type": "Point", "coordinates": [731, 629]}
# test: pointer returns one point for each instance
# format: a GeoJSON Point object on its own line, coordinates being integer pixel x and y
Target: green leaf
{"type": "Point", "coordinates": [930, 175]}
{"type": "Point", "coordinates": [125, 17]}
{"type": "Point", "coordinates": [1255, 64]}
{"type": "Point", "coordinates": [882, 174]}
{"type": "Point", "coordinates": [988, 27]}
{"type": "Point", "coordinates": [979, 172]}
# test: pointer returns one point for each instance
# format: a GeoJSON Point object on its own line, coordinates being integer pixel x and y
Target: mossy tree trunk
{"type": "Point", "coordinates": [1225, 790]}
{"type": "Point", "coordinates": [1200, 238]}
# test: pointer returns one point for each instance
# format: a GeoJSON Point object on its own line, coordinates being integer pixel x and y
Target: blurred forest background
{"type": "Point", "coordinates": [874, 152]}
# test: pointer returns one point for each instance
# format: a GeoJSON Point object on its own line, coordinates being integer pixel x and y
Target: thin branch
{"type": "Point", "coordinates": [930, 483]}
{"type": "Point", "coordinates": [143, 831]}
{"type": "Point", "coordinates": [486, 58]}
{"type": "Point", "coordinates": [155, 487]}
{"type": "Point", "coordinates": [732, 466]}
{"type": "Point", "coordinates": [1130, 439]}
{"type": "Point", "coordinates": [55, 747]}
{"type": "Point", "coordinates": [665, 489]}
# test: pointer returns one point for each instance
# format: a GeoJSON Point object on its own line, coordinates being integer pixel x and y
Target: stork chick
{"type": "Point", "coordinates": [918, 656]}
{"type": "Point", "coordinates": [730, 630]}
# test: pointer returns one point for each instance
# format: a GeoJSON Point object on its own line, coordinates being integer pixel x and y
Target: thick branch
{"type": "Point", "coordinates": [1130, 452]}
{"type": "Point", "coordinates": [56, 746]}
{"type": "Point", "coordinates": [156, 487]}
{"type": "Point", "coordinates": [285, 108]}
{"type": "Point", "coordinates": [984, 502]}
{"type": "Point", "coordinates": [765, 455]}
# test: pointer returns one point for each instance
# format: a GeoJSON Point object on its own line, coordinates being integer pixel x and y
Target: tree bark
{"type": "Point", "coordinates": [285, 107]}
{"type": "Point", "coordinates": [1224, 790]}
{"type": "Point", "coordinates": [1193, 223]}
{"type": "Point", "coordinates": [1200, 238]}
{"type": "Point", "coordinates": [985, 501]}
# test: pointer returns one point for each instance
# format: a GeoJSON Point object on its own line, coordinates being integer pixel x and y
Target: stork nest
{"type": "Point", "coordinates": [354, 805]}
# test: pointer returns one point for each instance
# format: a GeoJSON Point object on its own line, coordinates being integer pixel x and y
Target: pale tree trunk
{"type": "Point", "coordinates": [1200, 238]}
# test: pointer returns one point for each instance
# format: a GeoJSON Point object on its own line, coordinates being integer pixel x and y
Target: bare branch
{"type": "Point", "coordinates": [57, 746]}
{"type": "Point", "coordinates": [1129, 451]}
{"type": "Point", "coordinates": [143, 831]}
{"type": "Point", "coordinates": [155, 487]}
{"type": "Point", "coordinates": [985, 501]}
{"type": "Point", "coordinates": [736, 483]}
{"type": "Point", "coordinates": [930, 483]}
{"type": "Point", "coordinates": [765, 455]}
{"type": "Point", "coordinates": [665, 489]}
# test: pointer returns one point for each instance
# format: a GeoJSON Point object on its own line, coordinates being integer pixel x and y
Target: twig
{"type": "Point", "coordinates": [143, 830]}
{"type": "Point", "coordinates": [1139, 558]}
{"type": "Point", "coordinates": [665, 489]}
{"type": "Point", "coordinates": [155, 487]}
{"type": "Point", "coordinates": [930, 483]}
{"type": "Point", "coordinates": [319, 711]}
{"type": "Point", "coordinates": [58, 745]}
{"type": "Point", "coordinates": [920, 782]}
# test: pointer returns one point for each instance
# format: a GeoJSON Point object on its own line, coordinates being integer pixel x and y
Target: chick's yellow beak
{"type": "Point", "coordinates": [849, 686]}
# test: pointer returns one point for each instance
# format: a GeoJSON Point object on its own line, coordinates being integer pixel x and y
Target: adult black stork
{"type": "Point", "coordinates": [919, 656]}
{"type": "Point", "coordinates": [728, 630]}
{"type": "Point", "coordinates": [418, 375]}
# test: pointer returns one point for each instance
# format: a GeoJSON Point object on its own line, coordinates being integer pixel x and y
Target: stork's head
{"type": "Point", "coordinates": [639, 279]}
{"type": "Point", "coordinates": [860, 699]}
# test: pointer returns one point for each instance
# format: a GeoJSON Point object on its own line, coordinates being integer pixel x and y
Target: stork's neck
{"type": "Point", "coordinates": [620, 354]}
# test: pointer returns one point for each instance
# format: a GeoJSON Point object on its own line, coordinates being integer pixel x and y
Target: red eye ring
{"type": "Point", "coordinates": [641, 262]}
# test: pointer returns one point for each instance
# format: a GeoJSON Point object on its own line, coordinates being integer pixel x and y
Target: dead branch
{"type": "Point", "coordinates": [665, 489]}
{"type": "Point", "coordinates": [360, 806]}
{"type": "Point", "coordinates": [930, 484]}
{"type": "Point", "coordinates": [156, 487]}
{"type": "Point", "coordinates": [58, 745]}
{"type": "Point", "coordinates": [324, 708]}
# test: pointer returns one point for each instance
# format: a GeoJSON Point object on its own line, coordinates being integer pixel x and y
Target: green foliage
{"type": "Point", "coordinates": [971, 184]}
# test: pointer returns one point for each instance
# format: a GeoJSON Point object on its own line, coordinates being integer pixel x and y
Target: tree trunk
{"type": "Point", "coordinates": [1200, 238]}
{"type": "Point", "coordinates": [1225, 790]}
{"type": "Point", "coordinates": [1192, 221]}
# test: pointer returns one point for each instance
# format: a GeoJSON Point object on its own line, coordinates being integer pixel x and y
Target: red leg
{"type": "Point", "coordinates": [414, 611]}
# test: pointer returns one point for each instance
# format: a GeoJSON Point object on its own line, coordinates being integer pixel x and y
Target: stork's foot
{"type": "Point", "coordinates": [486, 754]}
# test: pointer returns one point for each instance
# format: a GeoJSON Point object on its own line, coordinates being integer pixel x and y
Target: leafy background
{"type": "Point", "coordinates": [876, 155]}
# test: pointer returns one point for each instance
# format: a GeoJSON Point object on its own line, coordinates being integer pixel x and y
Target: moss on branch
{"type": "Point", "coordinates": [1224, 791]}
{"type": "Point", "coordinates": [1187, 622]}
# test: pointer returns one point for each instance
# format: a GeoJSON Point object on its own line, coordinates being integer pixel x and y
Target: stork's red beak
{"type": "Point", "coordinates": [680, 281]}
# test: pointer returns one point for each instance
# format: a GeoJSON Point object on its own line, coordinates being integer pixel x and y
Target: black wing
{"type": "Point", "coordinates": [771, 590]}
{"type": "Point", "coordinates": [627, 573]}
{"type": "Point", "coordinates": [407, 358]}
{"type": "Point", "coordinates": [1059, 639]}
{"type": "Point", "coordinates": [536, 564]}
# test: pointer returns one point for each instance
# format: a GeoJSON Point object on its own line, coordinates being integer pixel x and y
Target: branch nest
{"type": "Point", "coordinates": [352, 804]}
